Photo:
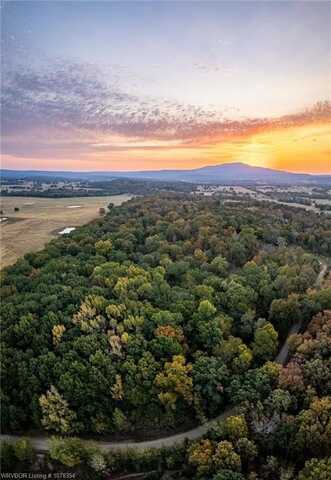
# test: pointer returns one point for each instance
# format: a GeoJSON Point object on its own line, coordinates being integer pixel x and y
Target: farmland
{"type": "Point", "coordinates": [38, 220]}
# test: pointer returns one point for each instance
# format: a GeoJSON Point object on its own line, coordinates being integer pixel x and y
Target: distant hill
{"type": "Point", "coordinates": [229, 173]}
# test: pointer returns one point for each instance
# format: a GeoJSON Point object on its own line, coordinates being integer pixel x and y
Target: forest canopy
{"type": "Point", "coordinates": [160, 315]}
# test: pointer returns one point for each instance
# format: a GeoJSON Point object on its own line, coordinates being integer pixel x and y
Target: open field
{"type": "Point", "coordinates": [40, 219]}
{"type": "Point", "coordinates": [303, 197]}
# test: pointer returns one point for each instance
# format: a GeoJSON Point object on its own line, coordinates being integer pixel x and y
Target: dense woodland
{"type": "Point", "coordinates": [282, 431]}
{"type": "Point", "coordinates": [164, 313]}
{"type": "Point", "coordinates": [64, 188]}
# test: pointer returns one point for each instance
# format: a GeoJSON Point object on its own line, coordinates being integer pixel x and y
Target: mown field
{"type": "Point", "coordinates": [40, 219]}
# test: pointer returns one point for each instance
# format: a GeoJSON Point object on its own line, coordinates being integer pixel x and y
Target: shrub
{"type": "Point", "coordinates": [7, 455]}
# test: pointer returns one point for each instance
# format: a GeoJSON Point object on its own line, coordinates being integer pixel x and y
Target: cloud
{"type": "Point", "coordinates": [64, 107]}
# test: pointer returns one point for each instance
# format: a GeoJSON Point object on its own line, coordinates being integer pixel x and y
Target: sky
{"type": "Point", "coordinates": [89, 85]}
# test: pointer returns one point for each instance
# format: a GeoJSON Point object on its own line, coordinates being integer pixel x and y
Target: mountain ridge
{"type": "Point", "coordinates": [237, 172]}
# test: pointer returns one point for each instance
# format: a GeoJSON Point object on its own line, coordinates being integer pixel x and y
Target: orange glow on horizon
{"type": "Point", "coordinates": [303, 148]}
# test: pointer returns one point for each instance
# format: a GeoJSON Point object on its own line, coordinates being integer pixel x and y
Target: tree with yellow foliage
{"type": "Point", "coordinates": [315, 427]}
{"type": "Point", "coordinates": [89, 316]}
{"type": "Point", "coordinates": [200, 455]}
{"type": "Point", "coordinates": [56, 414]}
{"type": "Point", "coordinates": [57, 332]}
{"type": "Point", "coordinates": [117, 389]}
{"type": "Point", "coordinates": [104, 247]}
{"type": "Point", "coordinates": [175, 381]}
{"type": "Point", "coordinates": [226, 457]}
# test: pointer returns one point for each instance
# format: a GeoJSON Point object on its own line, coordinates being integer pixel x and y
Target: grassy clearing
{"type": "Point", "coordinates": [39, 219]}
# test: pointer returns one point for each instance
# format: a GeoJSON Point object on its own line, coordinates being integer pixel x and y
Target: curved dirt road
{"type": "Point", "coordinates": [284, 351]}
{"type": "Point", "coordinates": [40, 443]}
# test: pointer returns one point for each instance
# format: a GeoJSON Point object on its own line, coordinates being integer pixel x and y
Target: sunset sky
{"type": "Point", "coordinates": [90, 85]}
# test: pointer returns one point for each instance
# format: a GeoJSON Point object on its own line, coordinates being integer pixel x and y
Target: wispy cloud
{"type": "Point", "coordinates": [74, 107]}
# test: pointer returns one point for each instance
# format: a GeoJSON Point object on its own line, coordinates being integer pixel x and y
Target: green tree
{"type": "Point", "coordinates": [284, 313]}
{"type": "Point", "coordinates": [210, 378]}
{"type": "Point", "coordinates": [316, 469]}
{"type": "Point", "coordinates": [23, 451]}
{"type": "Point", "coordinates": [226, 474]}
{"type": "Point", "coordinates": [314, 427]}
{"type": "Point", "coordinates": [219, 265]}
{"type": "Point", "coordinates": [265, 342]}
{"type": "Point", "coordinates": [206, 310]}
{"type": "Point", "coordinates": [70, 451]}
{"type": "Point", "coordinates": [247, 450]}
{"type": "Point", "coordinates": [8, 457]}
{"type": "Point", "coordinates": [238, 298]}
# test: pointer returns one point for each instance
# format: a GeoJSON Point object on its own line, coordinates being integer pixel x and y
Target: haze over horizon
{"type": "Point", "coordinates": [106, 86]}
{"type": "Point", "coordinates": [159, 169]}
